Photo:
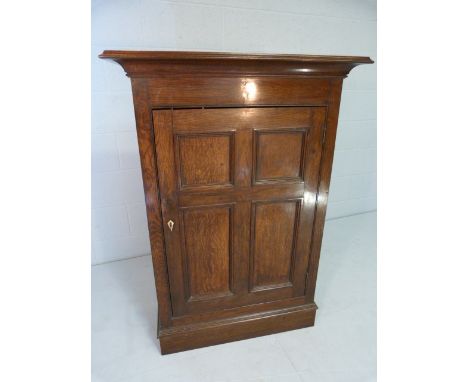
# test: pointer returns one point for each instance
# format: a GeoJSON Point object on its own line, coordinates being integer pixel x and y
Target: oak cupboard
{"type": "Point", "coordinates": [236, 152]}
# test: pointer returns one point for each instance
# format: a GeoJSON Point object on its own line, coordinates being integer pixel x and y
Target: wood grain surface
{"type": "Point", "coordinates": [236, 153]}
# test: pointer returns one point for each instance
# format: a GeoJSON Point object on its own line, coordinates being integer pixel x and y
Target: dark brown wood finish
{"type": "Point", "coordinates": [241, 267]}
{"type": "Point", "coordinates": [236, 154]}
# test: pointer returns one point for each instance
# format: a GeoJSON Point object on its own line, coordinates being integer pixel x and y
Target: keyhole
{"type": "Point", "coordinates": [170, 223]}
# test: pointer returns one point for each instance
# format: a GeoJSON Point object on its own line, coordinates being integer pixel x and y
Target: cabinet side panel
{"type": "Point", "coordinates": [153, 206]}
{"type": "Point", "coordinates": [324, 183]}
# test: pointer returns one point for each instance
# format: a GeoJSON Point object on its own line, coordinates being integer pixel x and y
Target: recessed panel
{"type": "Point", "coordinates": [279, 155]}
{"type": "Point", "coordinates": [205, 160]}
{"type": "Point", "coordinates": [208, 251]}
{"type": "Point", "coordinates": [274, 227]}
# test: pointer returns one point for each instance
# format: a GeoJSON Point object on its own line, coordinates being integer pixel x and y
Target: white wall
{"type": "Point", "coordinates": [342, 27]}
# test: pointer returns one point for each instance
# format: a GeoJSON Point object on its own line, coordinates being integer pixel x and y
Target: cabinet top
{"type": "Point", "coordinates": [180, 55]}
{"type": "Point", "coordinates": [148, 63]}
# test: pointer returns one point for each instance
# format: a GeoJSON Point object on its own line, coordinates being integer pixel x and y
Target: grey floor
{"type": "Point", "coordinates": [340, 348]}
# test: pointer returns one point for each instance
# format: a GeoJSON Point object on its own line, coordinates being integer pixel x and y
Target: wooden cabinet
{"type": "Point", "coordinates": [236, 153]}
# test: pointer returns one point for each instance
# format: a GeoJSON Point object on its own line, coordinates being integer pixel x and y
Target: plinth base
{"type": "Point", "coordinates": [199, 335]}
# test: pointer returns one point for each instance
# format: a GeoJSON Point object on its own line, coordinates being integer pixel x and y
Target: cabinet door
{"type": "Point", "coordinates": [238, 194]}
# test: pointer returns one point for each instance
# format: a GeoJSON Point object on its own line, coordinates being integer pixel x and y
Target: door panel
{"type": "Point", "coordinates": [205, 160]}
{"type": "Point", "coordinates": [273, 244]}
{"type": "Point", "coordinates": [207, 233]}
{"type": "Point", "coordinates": [240, 186]}
{"type": "Point", "coordinates": [279, 155]}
